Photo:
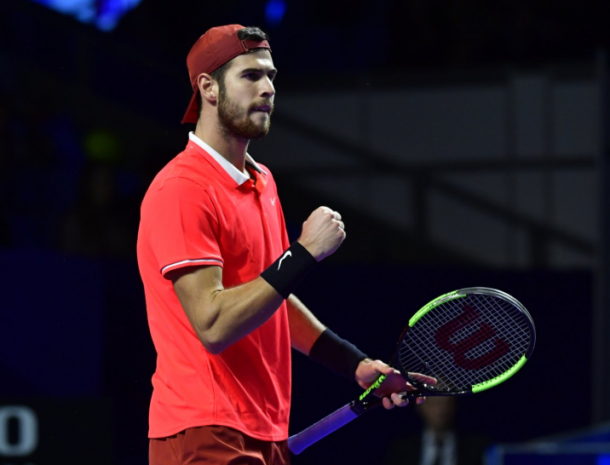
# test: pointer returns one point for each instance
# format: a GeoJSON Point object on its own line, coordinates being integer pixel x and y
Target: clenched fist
{"type": "Point", "coordinates": [323, 233]}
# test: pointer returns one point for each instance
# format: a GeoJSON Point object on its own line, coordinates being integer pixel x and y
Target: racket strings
{"type": "Point", "coordinates": [510, 324]}
{"type": "Point", "coordinates": [466, 341]}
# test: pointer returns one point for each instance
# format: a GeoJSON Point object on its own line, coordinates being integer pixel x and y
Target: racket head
{"type": "Point", "coordinates": [470, 340]}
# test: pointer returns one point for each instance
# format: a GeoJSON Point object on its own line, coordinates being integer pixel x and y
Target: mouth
{"type": "Point", "coordinates": [263, 108]}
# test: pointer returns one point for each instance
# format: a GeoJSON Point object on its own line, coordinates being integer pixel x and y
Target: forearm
{"type": "Point", "coordinates": [329, 350]}
{"type": "Point", "coordinates": [305, 328]}
{"type": "Point", "coordinates": [236, 312]}
{"type": "Point", "coordinates": [219, 316]}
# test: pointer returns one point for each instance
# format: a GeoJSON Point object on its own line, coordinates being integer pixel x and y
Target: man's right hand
{"type": "Point", "coordinates": [323, 233]}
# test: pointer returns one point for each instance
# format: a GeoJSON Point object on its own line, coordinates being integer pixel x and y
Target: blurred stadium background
{"type": "Point", "coordinates": [465, 143]}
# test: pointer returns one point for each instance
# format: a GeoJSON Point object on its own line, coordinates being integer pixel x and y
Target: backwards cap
{"type": "Point", "coordinates": [213, 49]}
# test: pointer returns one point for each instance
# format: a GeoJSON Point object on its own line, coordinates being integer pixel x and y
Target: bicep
{"type": "Point", "coordinates": [196, 288]}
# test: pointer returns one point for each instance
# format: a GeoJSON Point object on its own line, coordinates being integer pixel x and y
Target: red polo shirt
{"type": "Point", "coordinates": [201, 211]}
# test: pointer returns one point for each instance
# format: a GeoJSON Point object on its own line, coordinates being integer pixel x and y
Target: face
{"type": "Point", "coordinates": [245, 101]}
{"type": "Point", "coordinates": [438, 412]}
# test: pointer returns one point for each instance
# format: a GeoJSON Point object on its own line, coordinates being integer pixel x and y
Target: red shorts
{"type": "Point", "coordinates": [216, 445]}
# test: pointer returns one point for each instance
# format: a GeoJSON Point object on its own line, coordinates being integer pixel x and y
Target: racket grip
{"type": "Point", "coordinates": [299, 442]}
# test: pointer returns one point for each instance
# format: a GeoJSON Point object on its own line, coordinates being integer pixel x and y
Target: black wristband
{"type": "Point", "coordinates": [335, 353]}
{"type": "Point", "coordinates": [288, 271]}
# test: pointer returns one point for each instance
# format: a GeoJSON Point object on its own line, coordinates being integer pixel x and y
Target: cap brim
{"type": "Point", "coordinates": [192, 111]}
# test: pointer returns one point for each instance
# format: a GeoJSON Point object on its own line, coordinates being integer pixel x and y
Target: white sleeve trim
{"type": "Point", "coordinates": [210, 261]}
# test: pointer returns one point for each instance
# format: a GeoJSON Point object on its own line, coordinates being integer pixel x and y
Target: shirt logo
{"type": "Point", "coordinates": [273, 201]}
{"type": "Point", "coordinates": [287, 254]}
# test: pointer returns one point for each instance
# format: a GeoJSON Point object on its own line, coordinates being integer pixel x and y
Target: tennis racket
{"type": "Point", "coordinates": [470, 340]}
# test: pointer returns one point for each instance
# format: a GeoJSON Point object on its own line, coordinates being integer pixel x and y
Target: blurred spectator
{"type": "Point", "coordinates": [440, 443]}
{"type": "Point", "coordinates": [104, 220]}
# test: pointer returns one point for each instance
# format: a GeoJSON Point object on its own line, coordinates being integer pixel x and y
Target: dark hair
{"type": "Point", "coordinates": [252, 33]}
{"type": "Point", "coordinates": [247, 33]}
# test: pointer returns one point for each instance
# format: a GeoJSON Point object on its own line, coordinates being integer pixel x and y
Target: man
{"type": "Point", "coordinates": [441, 442]}
{"type": "Point", "coordinates": [218, 274]}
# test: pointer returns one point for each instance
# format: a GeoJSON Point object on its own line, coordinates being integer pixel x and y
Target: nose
{"type": "Point", "coordinates": [267, 88]}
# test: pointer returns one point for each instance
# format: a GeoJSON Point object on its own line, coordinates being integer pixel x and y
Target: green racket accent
{"type": "Point", "coordinates": [499, 379]}
{"type": "Point", "coordinates": [435, 303]}
{"type": "Point", "coordinates": [375, 385]}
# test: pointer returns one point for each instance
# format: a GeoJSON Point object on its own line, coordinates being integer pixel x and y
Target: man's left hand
{"type": "Point", "coordinates": [393, 386]}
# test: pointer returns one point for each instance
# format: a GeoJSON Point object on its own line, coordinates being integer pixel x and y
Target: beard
{"type": "Point", "coordinates": [235, 121]}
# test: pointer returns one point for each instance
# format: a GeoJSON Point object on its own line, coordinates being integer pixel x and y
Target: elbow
{"type": "Point", "coordinates": [214, 332]}
{"type": "Point", "coordinates": [213, 342]}
{"type": "Point", "coordinates": [214, 348]}
{"type": "Point", "coordinates": [210, 333]}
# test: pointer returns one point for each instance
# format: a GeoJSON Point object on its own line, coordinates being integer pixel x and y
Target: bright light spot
{"type": "Point", "coordinates": [274, 12]}
{"type": "Point", "coordinates": [104, 14]}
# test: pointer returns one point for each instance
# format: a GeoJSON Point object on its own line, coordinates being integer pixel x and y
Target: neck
{"type": "Point", "coordinates": [232, 148]}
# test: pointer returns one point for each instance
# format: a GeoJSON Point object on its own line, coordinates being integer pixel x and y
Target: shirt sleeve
{"type": "Point", "coordinates": [183, 226]}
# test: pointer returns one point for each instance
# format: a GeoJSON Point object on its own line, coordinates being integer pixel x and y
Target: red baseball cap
{"type": "Point", "coordinates": [213, 49]}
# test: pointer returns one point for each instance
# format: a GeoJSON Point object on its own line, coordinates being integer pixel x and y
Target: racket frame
{"type": "Point", "coordinates": [423, 389]}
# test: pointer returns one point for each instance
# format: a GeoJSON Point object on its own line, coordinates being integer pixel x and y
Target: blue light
{"type": "Point", "coordinates": [104, 14]}
{"type": "Point", "coordinates": [603, 459]}
{"type": "Point", "coordinates": [274, 12]}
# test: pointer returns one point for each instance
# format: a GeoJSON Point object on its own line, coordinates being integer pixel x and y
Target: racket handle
{"type": "Point", "coordinates": [301, 441]}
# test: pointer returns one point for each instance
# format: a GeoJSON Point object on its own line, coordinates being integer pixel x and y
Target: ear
{"type": "Point", "coordinates": [208, 88]}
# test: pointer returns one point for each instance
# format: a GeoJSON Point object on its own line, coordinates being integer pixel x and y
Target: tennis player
{"type": "Point", "coordinates": [219, 271]}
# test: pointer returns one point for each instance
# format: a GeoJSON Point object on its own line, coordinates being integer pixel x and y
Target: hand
{"type": "Point", "coordinates": [393, 386]}
{"type": "Point", "coordinates": [323, 233]}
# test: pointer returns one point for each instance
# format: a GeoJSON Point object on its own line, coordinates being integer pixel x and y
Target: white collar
{"type": "Point", "coordinates": [237, 175]}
